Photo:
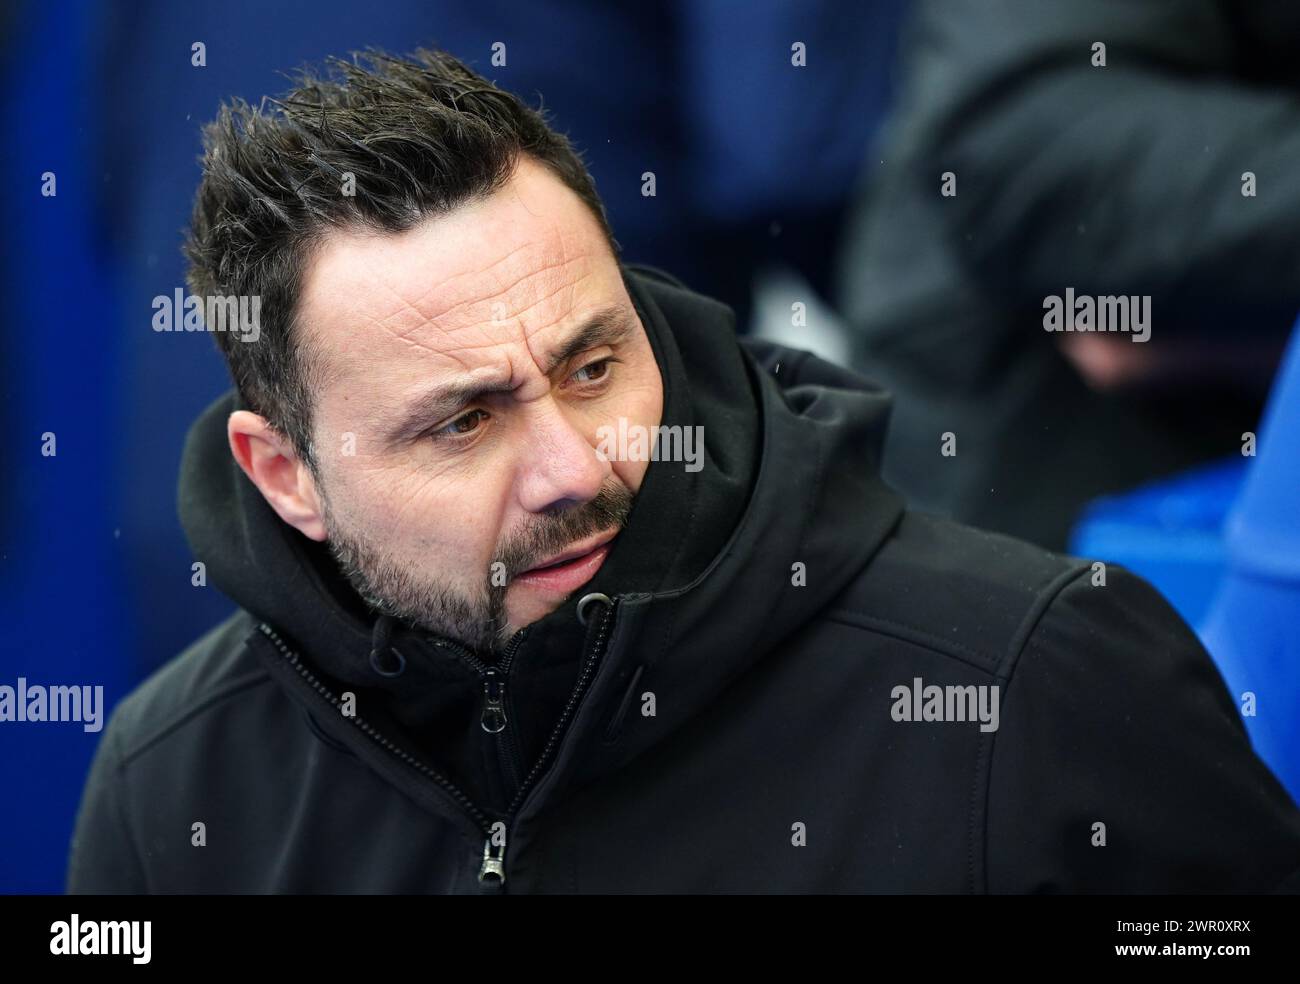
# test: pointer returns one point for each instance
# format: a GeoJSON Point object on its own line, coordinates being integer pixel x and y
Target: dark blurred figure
{"type": "Point", "coordinates": [1123, 178]}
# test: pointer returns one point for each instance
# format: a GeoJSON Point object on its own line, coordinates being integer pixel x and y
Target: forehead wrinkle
{"type": "Point", "coordinates": [520, 317]}
{"type": "Point", "coordinates": [503, 290]}
{"type": "Point", "coordinates": [447, 285]}
{"type": "Point", "coordinates": [406, 305]}
{"type": "Point", "coordinates": [333, 367]}
{"type": "Point", "coordinates": [547, 246]}
{"type": "Point", "coordinates": [562, 284]}
{"type": "Point", "coordinates": [456, 352]}
{"type": "Point", "coordinates": [450, 284]}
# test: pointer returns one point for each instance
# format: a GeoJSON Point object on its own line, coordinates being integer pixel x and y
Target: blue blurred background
{"type": "Point", "coordinates": [815, 186]}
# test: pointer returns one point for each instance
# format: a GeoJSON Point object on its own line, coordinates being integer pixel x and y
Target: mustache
{"type": "Point", "coordinates": [550, 534]}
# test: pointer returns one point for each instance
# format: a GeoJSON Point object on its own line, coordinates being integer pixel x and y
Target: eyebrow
{"type": "Point", "coordinates": [609, 325]}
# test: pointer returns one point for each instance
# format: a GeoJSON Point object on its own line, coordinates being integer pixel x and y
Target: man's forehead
{"type": "Point", "coordinates": [398, 303]}
{"type": "Point", "coordinates": [519, 261]}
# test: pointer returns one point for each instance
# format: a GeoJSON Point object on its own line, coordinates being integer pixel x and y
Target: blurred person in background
{"type": "Point", "coordinates": [1114, 147]}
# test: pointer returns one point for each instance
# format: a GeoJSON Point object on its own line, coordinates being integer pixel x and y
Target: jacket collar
{"type": "Point", "coordinates": [704, 573]}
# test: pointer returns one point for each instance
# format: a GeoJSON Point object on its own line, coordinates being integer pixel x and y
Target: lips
{"type": "Point", "coordinates": [556, 563]}
{"type": "Point", "coordinates": [568, 571]}
{"type": "Point", "coordinates": [573, 553]}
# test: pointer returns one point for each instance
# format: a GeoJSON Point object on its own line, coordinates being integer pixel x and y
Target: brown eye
{"type": "Point", "coordinates": [466, 423]}
{"type": "Point", "coordinates": [595, 371]}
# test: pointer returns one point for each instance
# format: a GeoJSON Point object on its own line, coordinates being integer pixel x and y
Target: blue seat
{"type": "Point", "coordinates": [1253, 626]}
{"type": "Point", "coordinates": [1222, 543]}
{"type": "Point", "coordinates": [1170, 532]}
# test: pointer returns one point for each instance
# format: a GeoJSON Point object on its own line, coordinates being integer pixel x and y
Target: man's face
{"type": "Point", "coordinates": [467, 365]}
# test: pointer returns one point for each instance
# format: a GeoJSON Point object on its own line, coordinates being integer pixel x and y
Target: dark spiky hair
{"type": "Point", "coordinates": [420, 136]}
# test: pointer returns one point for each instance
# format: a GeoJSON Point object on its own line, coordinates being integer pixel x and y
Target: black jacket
{"type": "Point", "coordinates": [725, 723]}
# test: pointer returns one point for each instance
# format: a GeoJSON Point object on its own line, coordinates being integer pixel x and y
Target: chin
{"type": "Point", "coordinates": [525, 612]}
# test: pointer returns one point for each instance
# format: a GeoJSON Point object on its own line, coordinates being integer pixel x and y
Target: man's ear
{"type": "Point", "coordinates": [271, 464]}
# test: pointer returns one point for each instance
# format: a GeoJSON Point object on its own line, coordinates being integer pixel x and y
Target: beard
{"type": "Point", "coordinates": [475, 617]}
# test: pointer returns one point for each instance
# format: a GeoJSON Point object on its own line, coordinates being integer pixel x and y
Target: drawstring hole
{"type": "Point", "coordinates": [389, 671]}
{"type": "Point", "coordinates": [586, 600]}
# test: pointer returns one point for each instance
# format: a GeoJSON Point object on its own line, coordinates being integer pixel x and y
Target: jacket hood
{"type": "Point", "coordinates": [713, 568]}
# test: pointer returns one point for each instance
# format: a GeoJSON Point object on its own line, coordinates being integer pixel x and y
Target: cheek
{"type": "Point", "coordinates": [648, 396]}
{"type": "Point", "coordinates": [435, 518]}
{"type": "Point", "coordinates": [641, 403]}
{"type": "Point", "coordinates": [631, 473]}
{"type": "Point", "coordinates": [639, 398]}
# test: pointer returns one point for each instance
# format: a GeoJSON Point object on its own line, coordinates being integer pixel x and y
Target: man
{"type": "Point", "coordinates": [549, 584]}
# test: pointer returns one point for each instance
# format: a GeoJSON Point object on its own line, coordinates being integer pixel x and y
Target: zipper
{"type": "Point", "coordinates": [492, 871]}
{"type": "Point", "coordinates": [584, 678]}
{"type": "Point", "coordinates": [495, 722]}
{"type": "Point", "coordinates": [480, 819]}
{"type": "Point", "coordinates": [494, 717]}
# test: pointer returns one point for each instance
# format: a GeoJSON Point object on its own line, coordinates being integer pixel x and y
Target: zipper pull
{"type": "Point", "coordinates": [492, 873]}
{"type": "Point", "coordinates": [494, 708]}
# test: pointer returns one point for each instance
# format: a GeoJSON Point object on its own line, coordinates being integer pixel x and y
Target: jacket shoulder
{"type": "Point", "coordinates": [214, 668]}
{"type": "Point", "coordinates": [115, 844]}
{"type": "Point", "coordinates": [967, 592]}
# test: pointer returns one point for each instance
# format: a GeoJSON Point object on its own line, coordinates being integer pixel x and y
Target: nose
{"type": "Point", "coordinates": [561, 467]}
